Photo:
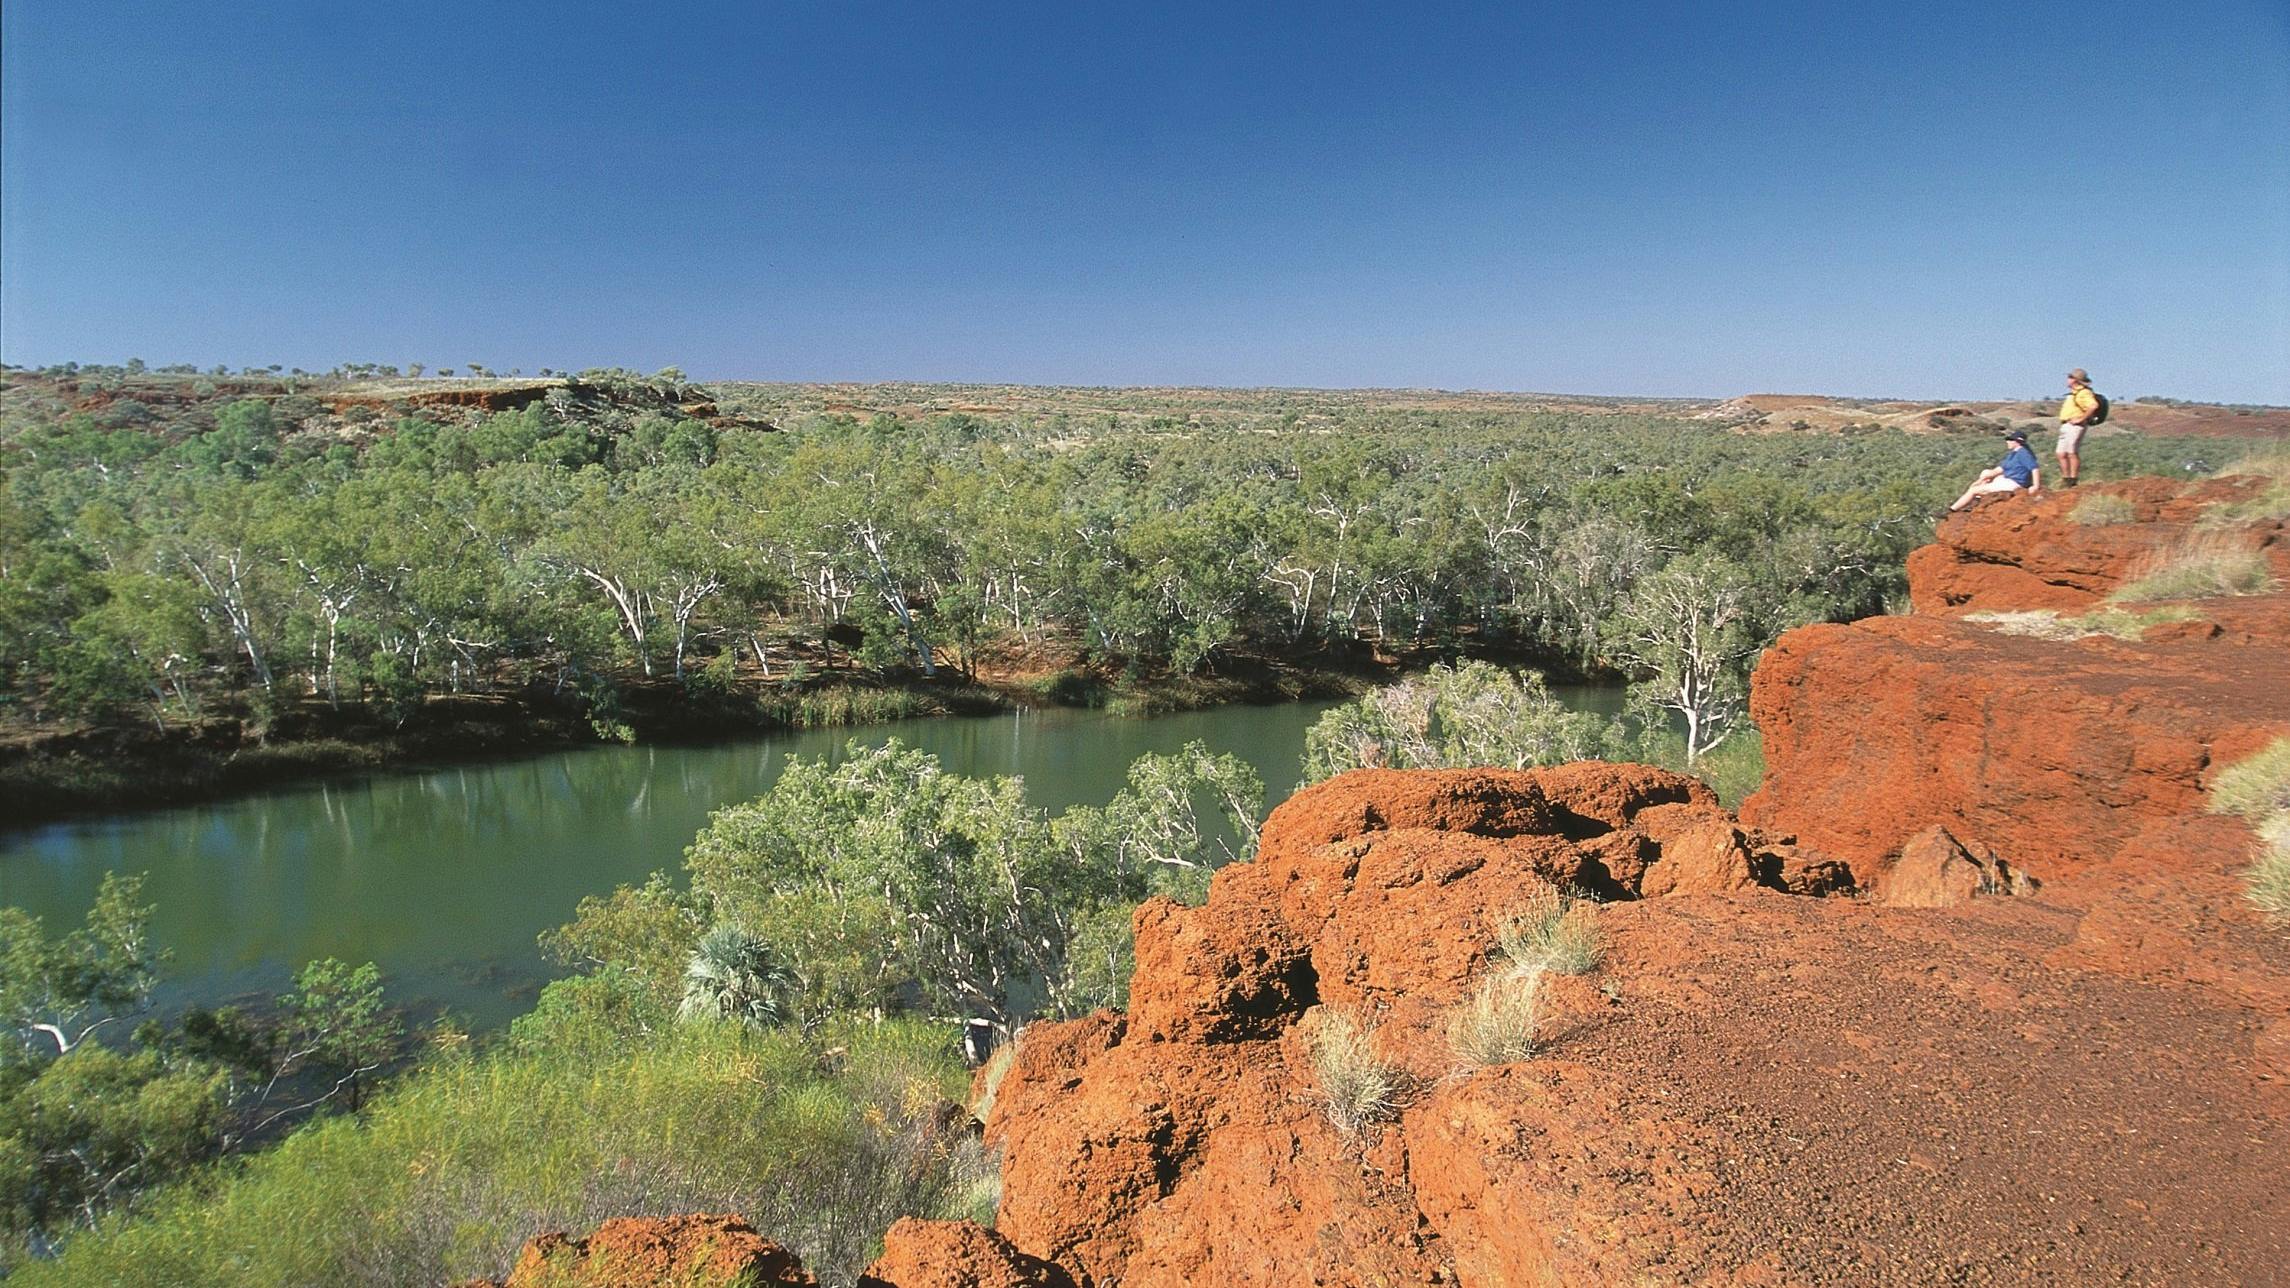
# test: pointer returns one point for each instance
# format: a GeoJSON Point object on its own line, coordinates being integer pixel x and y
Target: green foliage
{"type": "Point", "coordinates": [1732, 770]}
{"type": "Point", "coordinates": [1471, 714]}
{"type": "Point", "coordinates": [55, 992]}
{"type": "Point", "coordinates": [732, 976]}
{"type": "Point", "coordinates": [1154, 830]}
{"type": "Point", "coordinates": [153, 572]}
{"type": "Point", "coordinates": [336, 1024]}
{"type": "Point", "coordinates": [1687, 630]}
{"type": "Point", "coordinates": [878, 881]}
{"type": "Point", "coordinates": [88, 1129]}
{"type": "Point", "coordinates": [452, 1168]}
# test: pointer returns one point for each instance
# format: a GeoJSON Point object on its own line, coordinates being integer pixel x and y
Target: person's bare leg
{"type": "Point", "coordinates": [2070, 466]}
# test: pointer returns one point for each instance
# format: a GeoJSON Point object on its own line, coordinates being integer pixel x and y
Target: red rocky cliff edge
{"type": "Point", "coordinates": [2045, 1040]}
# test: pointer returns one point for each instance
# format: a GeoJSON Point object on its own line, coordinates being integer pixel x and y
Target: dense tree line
{"type": "Point", "coordinates": [147, 572]}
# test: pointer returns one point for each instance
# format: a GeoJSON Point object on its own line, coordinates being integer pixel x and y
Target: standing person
{"type": "Point", "coordinates": [2075, 413]}
{"type": "Point", "coordinates": [2017, 473]}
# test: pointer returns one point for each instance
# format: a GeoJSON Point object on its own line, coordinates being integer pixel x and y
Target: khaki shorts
{"type": "Point", "coordinates": [2069, 436]}
{"type": "Point", "coordinates": [2000, 483]}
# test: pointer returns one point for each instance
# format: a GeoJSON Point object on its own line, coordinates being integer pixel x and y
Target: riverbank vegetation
{"type": "Point", "coordinates": [232, 562]}
{"type": "Point", "coordinates": [807, 974]}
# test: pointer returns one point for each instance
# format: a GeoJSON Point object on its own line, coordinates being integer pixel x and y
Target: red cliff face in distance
{"type": "Point", "coordinates": [1969, 994]}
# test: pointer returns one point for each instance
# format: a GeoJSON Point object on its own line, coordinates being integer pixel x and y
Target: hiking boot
{"type": "Point", "coordinates": [2067, 482]}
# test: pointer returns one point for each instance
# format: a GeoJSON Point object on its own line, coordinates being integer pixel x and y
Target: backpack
{"type": "Point", "coordinates": [2098, 417]}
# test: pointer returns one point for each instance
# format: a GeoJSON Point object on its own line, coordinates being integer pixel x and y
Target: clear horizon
{"type": "Point", "coordinates": [1939, 201]}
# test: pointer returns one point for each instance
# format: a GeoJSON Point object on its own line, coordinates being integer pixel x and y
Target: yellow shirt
{"type": "Point", "coordinates": [2079, 403]}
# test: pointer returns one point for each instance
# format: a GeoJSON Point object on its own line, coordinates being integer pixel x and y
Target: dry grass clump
{"type": "Point", "coordinates": [2270, 877]}
{"type": "Point", "coordinates": [1554, 933]}
{"type": "Point", "coordinates": [1356, 1088]}
{"type": "Point", "coordinates": [1497, 1026]}
{"type": "Point", "coordinates": [2100, 507]}
{"type": "Point", "coordinates": [2272, 464]}
{"type": "Point", "coordinates": [996, 1068]}
{"type": "Point", "coordinates": [2204, 565]}
{"type": "Point", "coordinates": [2258, 789]}
{"type": "Point", "coordinates": [2118, 623]}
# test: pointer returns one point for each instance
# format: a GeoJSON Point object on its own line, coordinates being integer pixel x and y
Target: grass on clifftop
{"type": "Point", "coordinates": [1356, 1088]}
{"type": "Point", "coordinates": [2258, 789]}
{"type": "Point", "coordinates": [2116, 623]}
{"type": "Point", "coordinates": [2203, 565]}
{"type": "Point", "coordinates": [2271, 464]}
{"type": "Point", "coordinates": [2101, 507]}
{"type": "Point", "coordinates": [1554, 933]}
{"type": "Point", "coordinates": [1498, 1024]}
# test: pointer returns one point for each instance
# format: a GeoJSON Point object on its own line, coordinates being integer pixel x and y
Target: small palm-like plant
{"type": "Point", "coordinates": [733, 976]}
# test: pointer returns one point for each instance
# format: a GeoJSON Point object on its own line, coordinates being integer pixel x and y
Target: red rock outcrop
{"type": "Point", "coordinates": [956, 1254]}
{"type": "Point", "coordinates": [2059, 755]}
{"type": "Point", "coordinates": [2014, 554]}
{"type": "Point", "coordinates": [2055, 1045]}
{"type": "Point", "coordinates": [642, 1252]}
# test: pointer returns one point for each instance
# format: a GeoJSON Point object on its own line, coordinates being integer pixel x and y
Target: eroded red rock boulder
{"type": "Point", "coordinates": [1140, 1150]}
{"type": "Point", "coordinates": [956, 1254]}
{"type": "Point", "coordinates": [1935, 870]}
{"type": "Point", "coordinates": [691, 1251]}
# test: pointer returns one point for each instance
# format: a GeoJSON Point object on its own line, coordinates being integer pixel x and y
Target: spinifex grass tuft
{"type": "Point", "coordinates": [1356, 1088]}
{"type": "Point", "coordinates": [2203, 565]}
{"type": "Point", "coordinates": [1553, 933]}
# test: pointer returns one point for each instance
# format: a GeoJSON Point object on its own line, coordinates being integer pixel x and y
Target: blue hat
{"type": "Point", "coordinates": [2016, 436]}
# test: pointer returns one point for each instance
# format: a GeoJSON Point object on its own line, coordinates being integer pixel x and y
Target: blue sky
{"type": "Point", "coordinates": [1944, 200]}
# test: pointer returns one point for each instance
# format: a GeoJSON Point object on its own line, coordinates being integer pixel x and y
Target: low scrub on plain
{"type": "Point", "coordinates": [1498, 1024]}
{"type": "Point", "coordinates": [450, 1171]}
{"type": "Point", "coordinates": [1356, 1087]}
{"type": "Point", "coordinates": [2258, 789]}
{"type": "Point", "coordinates": [2204, 565]}
{"type": "Point", "coordinates": [2108, 620]}
{"type": "Point", "coordinates": [2103, 508]}
{"type": "Point", "coordinates": [1553, 933]}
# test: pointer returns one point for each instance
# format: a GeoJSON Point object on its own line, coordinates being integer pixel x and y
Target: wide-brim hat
{"type": "Point", "coordinates": [2080, 374]}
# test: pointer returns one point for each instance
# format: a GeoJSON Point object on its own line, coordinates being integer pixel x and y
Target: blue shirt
{"type": "Point", "coordinates": [2020, 466]}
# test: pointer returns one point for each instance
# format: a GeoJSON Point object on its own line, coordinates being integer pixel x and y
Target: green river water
{"type": "Point", "coordinates": [445, 877]}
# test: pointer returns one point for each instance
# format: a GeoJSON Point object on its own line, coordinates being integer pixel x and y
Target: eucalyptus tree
{"type": "Point", "coordinates": [1687, 631]}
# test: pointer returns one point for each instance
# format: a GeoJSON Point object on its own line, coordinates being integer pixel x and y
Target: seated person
{"type": "Point", "coordinates": [2018, 473]}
